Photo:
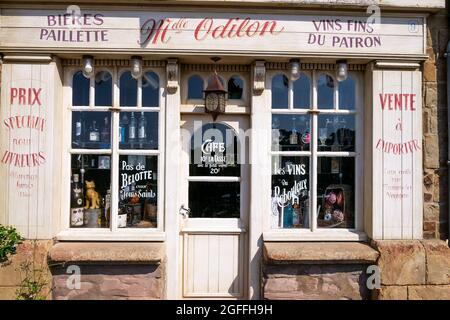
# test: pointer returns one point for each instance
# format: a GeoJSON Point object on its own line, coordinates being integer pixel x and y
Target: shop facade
{"type": "Point", "coordinates": [246, 151]}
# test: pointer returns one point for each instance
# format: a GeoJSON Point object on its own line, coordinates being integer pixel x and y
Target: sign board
{"type": "Point", "coordinates": [200, 32]}
{"type": "Point", "coordinates": [26, 126]}
{"type": "Point", "coordinates": [397, 154]}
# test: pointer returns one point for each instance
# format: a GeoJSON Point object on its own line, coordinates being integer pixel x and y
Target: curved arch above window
{"type": "Point", "coordinates": [347, 94]}
{"type": "Point", "coordinates": [103, 89]}
{"type": "Point", "coordinates": [80, 92]}
{"type": "Point", "coordinates": [128, 90]}
{"type": "Point", "coordinates": [302, 92]}
{"type": "Point", "coordinates": [280, 92]}
{"type": "Point", "coordinates": [325, 91]}
{"type": "Point", "coordinates": [150, 89]}
{"type": "Point", "coordinates": [195, 87]}
{"type": "Point", "coordinates": [235, 87]}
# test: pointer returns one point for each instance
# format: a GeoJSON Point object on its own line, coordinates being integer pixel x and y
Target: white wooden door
{"type": "Point", "coordinates": [214, 207]}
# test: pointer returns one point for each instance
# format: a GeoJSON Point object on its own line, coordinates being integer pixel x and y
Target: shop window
{"type": "Point", "coordinates": [302, 92]}
{"type": "Point", "coordinates": [314, 183]}
{"type": "Point", "coordinates": [213, 199]}
{"type": "Point", "coordinates": [280, 92]}
{"type": "Point", "coordinates": [347, 94]}
{"type": "Point", "coordinates": [235, 88]}
{"type": "Point", "coordinates": [195, 87]}
{"type": "Point", "coordinates": [80, 92]}
{"type": "Point", "coordinates": [128, 90]}
{"type": "Point", "coordinates": [103, 89]}
{"type": "Point", "coordinates": [115, 173]}
{"type": "Point", "coordinates": [150, 90]}
{"type": "Point", "coordinates": [325, 92]}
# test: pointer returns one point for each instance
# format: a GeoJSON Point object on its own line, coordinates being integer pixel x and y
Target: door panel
{"type": "Point", "coordinates": [214, 236]}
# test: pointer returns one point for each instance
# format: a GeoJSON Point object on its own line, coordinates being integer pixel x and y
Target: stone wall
{"type": "Point", "coordinates": [109, 282]}
{"type": "Point", "coordinates": [413, 270]}
{"type": "Point", "coordinates": [435, 130]}
{"type": "Point", "coordinates": [12, 272]}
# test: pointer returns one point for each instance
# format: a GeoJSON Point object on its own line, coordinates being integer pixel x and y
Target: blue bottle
{"type": "Point", "coordinates": [288, 216]}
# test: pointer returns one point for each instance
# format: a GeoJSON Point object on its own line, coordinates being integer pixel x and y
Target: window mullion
{"type": "Point", "coordinates": [291, 95]}
{"type": "Point", "coordinates": [139, 92]}
{"type": "Point", "coordinates": [92, 92]}
{"type": "Point", "coordinates": [115, 156]}
{"type": "Point", "coordinates": [313, 168]}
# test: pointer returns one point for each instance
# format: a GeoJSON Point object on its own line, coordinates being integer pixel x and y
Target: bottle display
{"type": "Point", "coordinates": [76, 203]}
{"type": "Point", "coordinates": [142, 134]}
{"type": "Point", "coordinates": [105, 132]}
{"type": "Point", "coordinates": [293, 137]}
{"type": "Point", "coordinates": [78, 130]}
{"type": "Point", "coordinates": [132, 129]}
{"type": "Point", "coordinates": [94, 134]}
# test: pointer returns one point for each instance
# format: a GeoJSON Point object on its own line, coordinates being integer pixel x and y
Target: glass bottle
{"type": "Point", "coordinates": [132, 129]}
{"type": "Point", "coordinates": [122, 128]}
{"type": "Point", "coordinates": [293, 138]}
{"type": "Point", "coordinates": [142, 134]}
{"type": "Point", "coordinates": [288, 216]}
{"type": "Point", "coordinates": [78, 130]}
{"type": "Point", "coordinates": [94, 134]}
{"type": "Point", "coordinates": [104, 134]}
{"type": "Point", "coordinates": [76, 203]}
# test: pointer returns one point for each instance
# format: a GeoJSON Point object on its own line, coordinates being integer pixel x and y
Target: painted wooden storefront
{"type": "Point", "coordinates": [33, 83]}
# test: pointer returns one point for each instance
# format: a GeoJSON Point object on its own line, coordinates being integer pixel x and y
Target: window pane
{"type": "Point", "coordinates": [138, 130]}
{"type": "Point", "coordinates": [336, 192]}
{"type": "Point", "coordinates": [302, 92]}
{"type": "Point", "coordinates": [128, 90]}
{"type": "Point", "coordinates": [280, 92]}
{"type": "Point", "coordinates": [91, 130]}
{"type": "Point", "coordinates": [325, 92]}
{"type": "Point", "coordinates": [150, 90]}
{"type": "Point", "coordinates": [214, 199]}
{"type": "Point", "coordinates": [347, 94]}
{"type": "Point", "coordinates": [90, 191]}
{"type": "Point", "coordinates": [336, 133]}
{"type": "Point", "coordinates": [103, 89]}
{"type": "Point", "coordinates": [138, 190]}
{"type": "Point", "coordinates": [195, 87]}
{"type": "Point", "coordinates": [214, 151]}
{"type": "Point", "coordinates": [290, 192]}
{"type": "Point", "coordinates": [80, 92]}
{"type": "Point", "coordinates": [290, 132]}
{"type": "Point", "coordinates": [235, 88]}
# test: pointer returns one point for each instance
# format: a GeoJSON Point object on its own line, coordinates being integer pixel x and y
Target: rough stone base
{"type": "Point", "coordinates": [11, 275]}
{"type": "Point", "coordinates": [109, 282]}
{"type": "Point", "coordinates": [315, 282]}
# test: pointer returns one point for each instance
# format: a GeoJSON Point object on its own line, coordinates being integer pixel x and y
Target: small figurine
{"type": "Point", "coordinates": [92, 197]}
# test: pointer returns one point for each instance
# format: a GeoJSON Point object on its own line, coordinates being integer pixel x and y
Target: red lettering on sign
{"type": "Point", "coordinates": [25, 96]}
{"type": "Point", "coordinates": [398, 101]}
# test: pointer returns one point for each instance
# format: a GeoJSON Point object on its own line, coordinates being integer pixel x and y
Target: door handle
{"type": "Point", "coordinates": [185, 212]}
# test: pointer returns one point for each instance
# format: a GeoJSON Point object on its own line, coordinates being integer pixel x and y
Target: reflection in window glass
{"type": "Point", "coordinates": [91, 130]}
{"type": "Point", "coordinates": [302, 92]}
{"type": "Point", "coordinates": [150, 90]}
{"type": "Point", "coordinates": [336, 133]}
{"type": "Point", "coordinates": [128, 90]}
{"type": "Point", "coordinates": [214, 151]}
{"type": "Point", "coordinates": [347, 94]}
{"type": "Point", "coordinates": [280, 92]}
{"type": "Point", "coordinates": [195, 87]}
{"type": "Point", "coordinates": [90, 205]}
{"type": "Point", "coordinates": [325, 92]}
{"type": "Point", "coordinates": [80, 92]}
{"type": "Point", "coordinates": [103, 89]}
{"type": "Point", "coordinates": [138, 130]}
{"type": "Point", "coordinates": [290, 132]}
{"type": "Point", "coordinates": [335, 192]}
{"type": "Point", "coordinates": [214, 199]}
{"type": "Point", "coordinates": [235, 88]}
{"type": "Point", "coordinates": [138, 190]}
{"type": "Point", "coordinates": [290, 192]}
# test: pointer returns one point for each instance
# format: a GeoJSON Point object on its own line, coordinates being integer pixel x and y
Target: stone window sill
{"type": "Point", "coordinates": [109, 252]}
{"type": "Point", "coordinates": [319, 253]}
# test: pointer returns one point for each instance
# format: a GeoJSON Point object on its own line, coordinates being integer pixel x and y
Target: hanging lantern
{"type": "Point", "coordinates": [215, 96]}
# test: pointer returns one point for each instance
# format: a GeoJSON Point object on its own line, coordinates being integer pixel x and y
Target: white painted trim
{"type": "Point", "coordinates": [318, 235]}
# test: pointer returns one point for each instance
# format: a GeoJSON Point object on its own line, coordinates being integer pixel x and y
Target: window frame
{"type": "Point", "coordinates": [113, 233]}
{"type": "Point", "coordinates": [313, 233]}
